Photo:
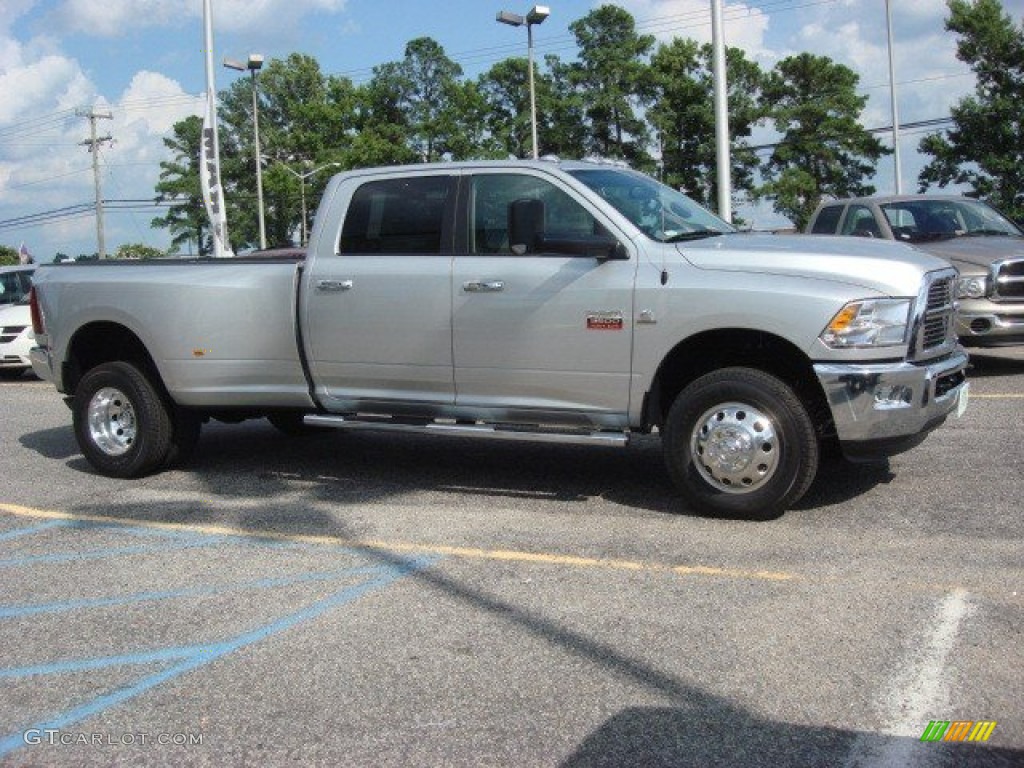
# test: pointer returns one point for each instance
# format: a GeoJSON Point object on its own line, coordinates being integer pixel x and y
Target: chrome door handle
{"type": "Point", "coordinates": [483, 286]}
{"type": "Point", "coordinates": [333, 286]}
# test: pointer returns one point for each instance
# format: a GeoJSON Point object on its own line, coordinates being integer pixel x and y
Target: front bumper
{"type": "Point", "coordinates": [990, 329]}
{"type": "Point", "coordinates": [886, 408]}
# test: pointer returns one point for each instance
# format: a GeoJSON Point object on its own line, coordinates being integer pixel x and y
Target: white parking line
{"type": "Point", "coordinates": [919, 692]}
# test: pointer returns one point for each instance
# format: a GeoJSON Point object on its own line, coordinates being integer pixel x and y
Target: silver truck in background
{"type": "Point", "coordinates": [986, 248]}
{"type": "Point", "coordinates": [569, 302]}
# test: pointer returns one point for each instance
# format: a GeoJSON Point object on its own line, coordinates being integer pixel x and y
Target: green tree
{"type": "Point", "coordinates": [824, 150]}
{"type": "Point", "coordinates": [985, 147]}
{"type": "Point", "coordinates": [307, 119]}
{"type": "Point", "coordinates": [138, 251]}
{"type": "Point", "coordinates": [180, 187]}
{"type": "Point", "coordinates": [8, 255]}
{"type": "Point", "coordinates": [561, 112]}
{"type": "Point", "coordinates": [612, 75]}
{"type": "Point", "coordinates": [683, 116]}
{"type": "Point", "coordinates": [506, 92]}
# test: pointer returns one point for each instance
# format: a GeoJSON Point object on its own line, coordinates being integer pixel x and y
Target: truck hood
{"type": "Point", "coordinates": [891, 269]}
{"type": "Point", "coordinates": [978, 251]}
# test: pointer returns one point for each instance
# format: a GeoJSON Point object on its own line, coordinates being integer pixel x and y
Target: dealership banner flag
{"type": "Point", "coordinates": [209, 149]}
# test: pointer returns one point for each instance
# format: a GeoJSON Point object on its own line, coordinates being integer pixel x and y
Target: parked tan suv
{"type": "Point", "coordinates": [985, 246]}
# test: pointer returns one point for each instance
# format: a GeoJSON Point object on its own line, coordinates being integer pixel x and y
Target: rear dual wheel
{"type": "Point", "coordinates": [739, 442]}
{"type": "Point", "coordinates": [125, 426]}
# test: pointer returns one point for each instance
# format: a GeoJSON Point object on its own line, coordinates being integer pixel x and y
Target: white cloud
{"type": "Point", "coordinates": [744, 25]}
{"type": "Point", "coordinates": [43, 163]}
{"type": "Point", "coordinates": [115, 18]}
{"type": "Point", "coordinates": [51, 81]}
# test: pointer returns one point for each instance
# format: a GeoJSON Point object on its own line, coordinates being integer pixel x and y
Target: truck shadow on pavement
{"type": "Point", "coordinates": [254, 460]}
{"type": "Point", "coordinates": [716, 733]}
{"type": "Point", "coordinates": [986, 363]}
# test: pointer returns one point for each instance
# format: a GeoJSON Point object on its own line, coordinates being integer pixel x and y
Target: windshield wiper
{"type": "Point", "coordinates": [996, 232]}
{"type": "Point", "coordinates": [697, 234]}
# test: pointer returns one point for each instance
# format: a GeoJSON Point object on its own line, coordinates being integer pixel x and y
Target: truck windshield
{"type": "Point", "coordinates": [917, 221]}
{"type": "Point", "coordinates": [658, 211]}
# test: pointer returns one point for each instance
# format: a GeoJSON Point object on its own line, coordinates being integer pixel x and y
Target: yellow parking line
{"type": "Point", "coordinates": [402, 546]}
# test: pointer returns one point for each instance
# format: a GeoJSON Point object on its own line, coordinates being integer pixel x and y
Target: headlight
{"type": "Point", "coordinates": [971, 287]}
{"type": "Point", "coordinates": [869, 323]}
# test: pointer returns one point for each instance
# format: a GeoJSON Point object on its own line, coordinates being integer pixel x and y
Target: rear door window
{"type": "Point", "coordinates": [399, 216]}
{"type": "Point", "coordinates": [828, 220]}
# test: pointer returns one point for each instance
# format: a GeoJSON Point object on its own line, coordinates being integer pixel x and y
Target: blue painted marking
{"type": "Point", "coordinates": [86, 665]}
{"type": "Point", "coordinates": [208, 653]}
{"type": "Point", "coordinates": [19, 532]}
{"type": "Point", "coordinates": [100, 554]}
{"type": "Point", "coordinates": [18, 611]}
{"type": "Point", "coordinates": [246, 539]}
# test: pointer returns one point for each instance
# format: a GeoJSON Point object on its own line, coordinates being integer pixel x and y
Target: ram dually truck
{"type": "Point", "coordinates": [520, 300]}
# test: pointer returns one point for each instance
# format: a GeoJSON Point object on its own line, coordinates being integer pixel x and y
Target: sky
{"type": "Point", "coordinates": [142, 62]}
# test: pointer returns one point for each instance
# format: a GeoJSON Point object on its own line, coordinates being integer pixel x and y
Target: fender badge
{"type": "Point", "coordinates": [604, 321]}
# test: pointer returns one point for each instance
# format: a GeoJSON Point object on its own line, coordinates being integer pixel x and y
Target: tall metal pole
{"type": "Point", "coordinates": [302, 192]}
{"type": "Point", "coordinates": [724, 175]}
{"type": "Point", "coordinates": [256, 153]}
{"type": "Point", "coordinates": [895, 110]}
{"type": "Point", "coordinates": [533, 98]}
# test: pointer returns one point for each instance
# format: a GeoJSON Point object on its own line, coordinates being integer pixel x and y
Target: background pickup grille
{"type": "Point", "coordinates": [1009, 280]}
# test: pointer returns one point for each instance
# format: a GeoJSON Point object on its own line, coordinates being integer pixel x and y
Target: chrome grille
{"type": "Point", "coordinates": [933, 324]}
{"type": "Point", "coordinates": [1008, 279]}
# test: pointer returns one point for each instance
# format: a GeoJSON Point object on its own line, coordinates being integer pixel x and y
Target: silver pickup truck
{"type": "Point", "coordinates": [569, 302]}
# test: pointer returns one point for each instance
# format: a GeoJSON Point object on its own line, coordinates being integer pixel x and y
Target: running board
{"type": "Point", "coordinates": [487, 431]}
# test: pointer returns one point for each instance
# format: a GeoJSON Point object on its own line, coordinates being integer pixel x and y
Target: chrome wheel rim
{"type": "Point", "coordinates": [112, 425]}
{"type": "Point", "coordinates": [735, 447]}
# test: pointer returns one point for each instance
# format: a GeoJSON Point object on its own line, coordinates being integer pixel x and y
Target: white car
{"type": "Point", "coordinates": [15, 282]}
{"type": "Point", "coordinates": [16, 339]}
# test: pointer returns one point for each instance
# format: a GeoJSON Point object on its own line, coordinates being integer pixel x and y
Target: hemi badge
{"type": "Point", "coordinates": [604, 321]}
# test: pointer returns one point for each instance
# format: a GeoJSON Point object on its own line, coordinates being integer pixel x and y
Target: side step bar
{"type": "Point", "coordinates": [487, 431]}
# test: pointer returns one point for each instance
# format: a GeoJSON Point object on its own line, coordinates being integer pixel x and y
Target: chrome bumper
{"type": "Point", "coordinates": [889, 401]}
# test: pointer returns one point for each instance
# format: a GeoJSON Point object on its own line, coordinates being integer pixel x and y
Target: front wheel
{"type": "Point", "coordinates": [739, 442]}
{"type": "Point", "coordinates": [122, 425]}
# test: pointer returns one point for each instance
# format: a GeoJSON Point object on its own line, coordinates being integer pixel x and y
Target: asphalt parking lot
{"type": "Point", "coordinates": [372, 600]}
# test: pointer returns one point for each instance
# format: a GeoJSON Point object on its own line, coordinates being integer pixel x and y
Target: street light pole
{"type": "Point", "coordinates": [536, 15]}
{"type": "Point", "coordinates": [302, 192]}
{"type": "Point", "coordinates": [254, 64]}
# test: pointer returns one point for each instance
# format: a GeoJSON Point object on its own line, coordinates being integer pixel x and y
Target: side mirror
{"type": "Point", "coordinates": [526, 234]}
{"type": "Point", "coordinates": [601, 247]}
{"type": "Point", "coordinates": [525, 225]}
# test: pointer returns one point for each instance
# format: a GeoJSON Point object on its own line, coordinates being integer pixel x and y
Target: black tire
{"type": "Point", "coordinates": [122, 424]}
{"type": "Point", "coordinates": [186, 426]}
{"type": "Point", "coordinates": [739, 442]}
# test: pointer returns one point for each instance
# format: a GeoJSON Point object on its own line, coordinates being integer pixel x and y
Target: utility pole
{"type": "Point", "coordinates": [93, 143]}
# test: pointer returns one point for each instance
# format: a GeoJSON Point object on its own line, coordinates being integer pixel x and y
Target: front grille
{"type": "Point", "coordinates": [933, 326]}
{"type": "Point", "coordinates": [9, 333]}
{"type": "Point", "coordinates": [1008, 280]}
